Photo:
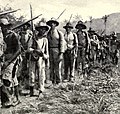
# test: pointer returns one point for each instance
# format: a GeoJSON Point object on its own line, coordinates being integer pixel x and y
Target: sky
{"type": "Point", "coordinates": [53, 8]}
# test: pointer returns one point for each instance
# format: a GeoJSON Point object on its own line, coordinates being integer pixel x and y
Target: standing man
{"type": "Point", "coordinates": [83, 46]}
{"type": "Point", "coordinates": [114, 51]}
{"type": "Point", "coordinates": [70, 53]}
{"type": "Point", "coordinates": [2, 47]}
{"type": "Point", "coordinates": [25, 37]}
{"type": "Point", "coordinates": [39, 50]}
{"type": "Point", "coordinates": [56, 49]}
{"type": "Point", "coordinates": [94, 45]}
{"type": "Point", "coordinates": [9, 94]}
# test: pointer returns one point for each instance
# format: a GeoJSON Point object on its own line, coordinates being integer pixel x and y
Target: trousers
{"type": "Point", "coordinates": [55, 66]}
{"type": "Point", "coordinates": [37, 69]}
{"type": "Point", "coordinates": [69, 64]}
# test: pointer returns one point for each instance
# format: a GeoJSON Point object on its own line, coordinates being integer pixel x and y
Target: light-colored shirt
{"type": "Point", "coordinates": [71, 40]}
{"type": "Point", "coordinates": [43, 46]}
{"type": "Point", "coordinates": [2, 43]}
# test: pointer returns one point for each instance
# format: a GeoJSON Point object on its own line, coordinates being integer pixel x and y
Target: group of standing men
{"type": "Point", "coordinates": [34, 51]}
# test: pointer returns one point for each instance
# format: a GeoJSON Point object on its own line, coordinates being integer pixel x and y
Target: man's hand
{"type": "Point", "coordinates": [75, 55]}
{"type": "Point", "coordinates": [60, 57]}
{"type": "Point", "coordinates": [39, 52]}
{"type": "Point", "coordinates": [70, 46]}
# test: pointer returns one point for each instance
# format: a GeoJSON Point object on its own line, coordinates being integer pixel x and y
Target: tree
{"type": "Point", "coordinates": [78, 17]}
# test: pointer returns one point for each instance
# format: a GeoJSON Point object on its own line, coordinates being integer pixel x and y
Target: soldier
{"type": "Point", "coordinates": [10, 83]}
{"type": "Point", "coordinates": [114, 52]}
{"type": "Point", "coordinates": [70, 53]}
{"type": "Point", "coordinates": [83, 46]}
{"type": "Point", "coordinates": [102, 50]}
{"type": "Point", "coordinates": [39, 58]}
{"type": "Point", "coordinates": [25, 37]}
{"type": "Point", "coordinates": [94, 45]}
{"type": "Point", "coordinates": [2, 48]}
{"type": "Point", "coordinates": [56, 49]}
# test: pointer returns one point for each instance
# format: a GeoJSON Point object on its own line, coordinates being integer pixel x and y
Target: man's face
{"type": "Point", "coordinates": [53, 25]}
{"type": "Point", "coordinates": [25, 27]}
{"type": "Point", "coordinates": [68, 29]}
{"type": "Point", "coordinates": [5, 28]}
{"type": "Point", "coordinates": [42, 31]}
{"type": "Point", "coordinates": [80, 28]}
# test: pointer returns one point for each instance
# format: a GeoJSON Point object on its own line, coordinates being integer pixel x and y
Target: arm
{"type": "Point", "coordinates": [61, 42]}
{"type": "Point", "coordinates": [46, 53]}
{"type": "Point", "coordinates": [75, 44]}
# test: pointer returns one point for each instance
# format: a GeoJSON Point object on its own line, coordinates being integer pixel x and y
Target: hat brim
{"type": "Point", "coordinates": [68, 27]}
{"type": "Point", "coordinates": [78, 26]}
{"type": "Point", "coordinates": [52, 21]}
{"type": "Point", "coordinates": [91, 31]}
{"type": "Point", "coordinates": [6, 25]}
{"type": "Point", "coordinates": [42, 27]}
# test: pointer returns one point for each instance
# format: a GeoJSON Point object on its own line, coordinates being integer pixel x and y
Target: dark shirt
{"type": "Point", "coordinates": [82, 40]}
{"type": "Point", "coordinates": [12, 44]}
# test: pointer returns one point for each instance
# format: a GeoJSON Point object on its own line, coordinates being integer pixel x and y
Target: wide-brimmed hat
{"type": "Point", "coordinates": [53, 20]}
{"type": "Point", "coordinates": [41, 25]}
{"type": "Point", "coordinates": [80, 24]}
{"type": "Point", "coordinates": [4, 22]}
{"type": "Point", "coordinates": [68, 25]}
{"type": "Point", "coordinates": [28, 24]}
{"type": "Point", "coordinates": [91, 30]}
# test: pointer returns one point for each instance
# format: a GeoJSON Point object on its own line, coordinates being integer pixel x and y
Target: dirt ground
{"type": "Point", "coordinates": [100, 94]}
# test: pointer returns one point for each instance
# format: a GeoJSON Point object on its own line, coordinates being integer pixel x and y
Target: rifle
{"type": "Point", "coordinates": [61, 14]}
{"type": "Point", "coordinates": [26, 22]}
{"type": "Point", "coordinates": [70, 18]}
{"type": "Point", "coordinates": [31, 17]}
{"type": "Point", "coordinates": [7, 12]}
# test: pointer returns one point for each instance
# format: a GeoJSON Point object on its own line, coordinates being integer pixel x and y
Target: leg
{"type": "Point", "coordinates": [52, 72]}
{"type": "Point", "coordinates": [72, 67]}
{"type": "Point", "coordinates": [66, 65]}
{"type": "Point", "coordinates": [32, 74]}
{"type": "Point", "coordinates": [41, 74]}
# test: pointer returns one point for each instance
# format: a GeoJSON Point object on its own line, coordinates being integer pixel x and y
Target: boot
{"type": "Point", "coordinates": [31, 91]}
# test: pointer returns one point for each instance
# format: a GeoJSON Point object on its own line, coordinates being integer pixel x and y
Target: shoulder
{"type": "Point", "coordinates": [45, 39]}
{"type": "Point", "coordinates": [74, 34]}
{"type": "Point", "coordinates": [30, 32]}
{"type": "Point", "coordinates": [12, 34]}
{"type": "Point", "coordinates": [60, 32]}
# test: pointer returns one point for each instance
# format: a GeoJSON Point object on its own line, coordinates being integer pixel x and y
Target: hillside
{"type": "Point", "coordinates": [113, 23]}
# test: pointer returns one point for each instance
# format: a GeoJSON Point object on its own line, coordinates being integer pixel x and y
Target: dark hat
{"type": "Point", "coordinates": [68, 25]}
{"type": "Point", "coordinates": [41, 25]}
{"type": "Point", "coordinates": [28, 24]}
{"type": "Point", "coordinates": [80, 24]}
{"type": "Point", "coordinates": [91, 30]}
{"type": "Point", "coordinates": [53, 20]}
{"type": "Point", "coordinates": [5, 22]}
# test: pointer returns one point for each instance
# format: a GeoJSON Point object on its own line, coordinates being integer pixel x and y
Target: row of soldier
{"type": "Point", "coordinates": [32, 52]}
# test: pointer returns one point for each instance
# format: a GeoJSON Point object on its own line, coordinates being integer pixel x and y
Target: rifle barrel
{"type": "Point", "coordinates": [7, 12]}
{"type": "Point", "coordinates": [70, 17]}
{"type": "Point", "coordinates": [26, 22]}
{"type": "Point", "coordinates": [61, 14]}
